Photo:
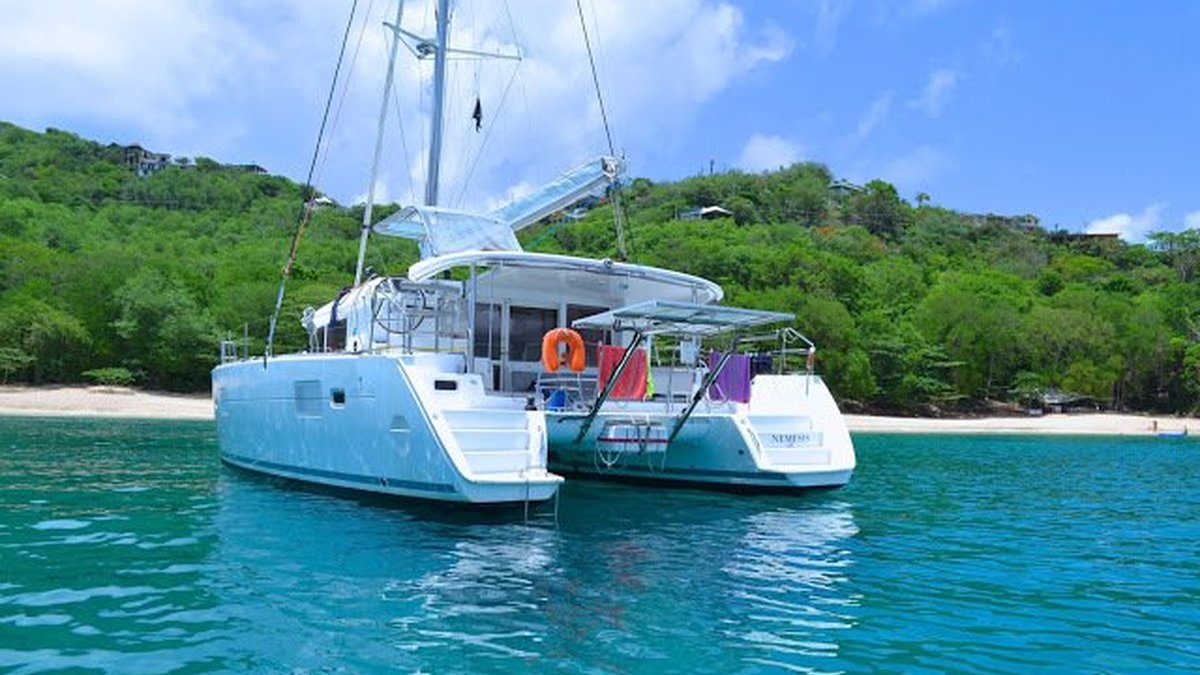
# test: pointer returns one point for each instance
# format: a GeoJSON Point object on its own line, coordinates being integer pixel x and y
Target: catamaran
{"type": "Point", "coordinates": [488, 371]}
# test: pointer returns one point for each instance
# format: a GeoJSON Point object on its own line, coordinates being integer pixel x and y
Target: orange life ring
{"type": "Point", "coordinates": [574, 358]}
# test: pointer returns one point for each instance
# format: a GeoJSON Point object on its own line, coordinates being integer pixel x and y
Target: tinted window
{"type": "Point", "coordinates": [487, 331]}
{"type": "Point", "coordinates": [526, 327]}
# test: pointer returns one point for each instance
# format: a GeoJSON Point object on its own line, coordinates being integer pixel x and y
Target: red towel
{"type": "Point", "coordinates": [632, 385]}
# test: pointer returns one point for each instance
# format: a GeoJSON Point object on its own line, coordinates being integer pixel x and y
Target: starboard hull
{"type": "Point", "coordinates": [791, 437]}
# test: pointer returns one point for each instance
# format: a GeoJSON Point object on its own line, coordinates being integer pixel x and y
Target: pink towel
{"type": "Point", "coordinates": [632, 385]}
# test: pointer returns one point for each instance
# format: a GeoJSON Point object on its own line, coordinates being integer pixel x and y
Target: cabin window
{"type": "Point", "coordinates": [591, 338]}
{"type": "Point", "coordinates": [338, 397]}
{"type": "Point", "coordinates": [308, 398]}
{"type": "Point", "coordinates": [487, 331]}
{"type": "Point", "coordinates": [526, 327]}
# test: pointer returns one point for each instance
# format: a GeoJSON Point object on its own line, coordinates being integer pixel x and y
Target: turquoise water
{"type": "Point", "coordinates": [125, 547]}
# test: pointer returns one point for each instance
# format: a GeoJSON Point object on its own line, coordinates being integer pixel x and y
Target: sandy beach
{"type": "Point", "coordinates": [99, 401]}
{"type": "Point", "coordinates": [1100, 424]}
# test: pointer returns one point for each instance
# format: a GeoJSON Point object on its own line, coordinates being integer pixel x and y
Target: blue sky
{"type": "Point", "coordinates": [1081, 113]}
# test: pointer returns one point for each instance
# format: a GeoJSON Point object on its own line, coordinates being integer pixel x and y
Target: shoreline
{"type": "Point", "coordinates": [1057, 424]}
{"type": "Point", "coordinates": [102, 401]}
{"type": "Point", "coordinates": [127, 403]}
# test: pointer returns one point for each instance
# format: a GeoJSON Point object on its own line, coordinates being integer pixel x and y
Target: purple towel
{"type": "Point", "coordinates": [733, 384]}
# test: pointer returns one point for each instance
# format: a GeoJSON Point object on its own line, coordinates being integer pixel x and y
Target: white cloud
{"type": "Point", "coordinates": [1192, 221]}
{"type": "Point", "coordinates": [381, 193]}
{"type": "Point", "coordinates": [1001, 48]}
{"type": "Point", "coordinates": [917, 169]}
{"type": "Point", "coordinates": [829, 16]}
{"type": "Point", "coordinates": [511, 194]}
{"type": "Point", "coordinates": [658, 63]}
{"type": "Point", "coordinates": [937, 91]}
{"type": "Point", "coordinates": [140, 63]}
{"type": "Point", "coordinates": [246, 80]}
{"type": "Point", "coordinates": [768, 153]}
{"type": "Point", "coordinates": [874, 116]}
{"type": "Point", "coordinates": [1131, 227]}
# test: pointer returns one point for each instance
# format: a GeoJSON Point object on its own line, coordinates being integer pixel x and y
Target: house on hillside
{"type": "Point", "coordinates": [705, 213]}
{"type": "Point", "coordinates": [142, 161]}
{"type": "Point", "coordinates": [1058, 401]}
{"type": "Point", "coordinates": [1027, 222]}
{"type": "Point", "coordinates": [840, 189]}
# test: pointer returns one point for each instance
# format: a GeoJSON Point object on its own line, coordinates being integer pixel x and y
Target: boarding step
{"type": "Point", "coordinates": [497, 461]}
{"type": "Point", "coordinates": [494, 442]}
{"type": "Point", "coordinates": [491, 440]}
{"type": "Point", "coordinates": [492, 419]}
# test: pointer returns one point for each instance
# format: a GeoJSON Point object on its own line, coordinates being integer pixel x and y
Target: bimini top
{"type": "Point", "coordinates": [574, 276]}
{"type": "Point", "coordinates": [662, 316]}
{"type": "Point", "coordinates": [440, 231]}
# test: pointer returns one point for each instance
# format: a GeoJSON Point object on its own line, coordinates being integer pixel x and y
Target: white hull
{"type": "Point", "coordinates": [389, 397]}
{"type": "Point", "coordinates": [790, 436]}
{"type": "Point", "coordinates": [406, 426]}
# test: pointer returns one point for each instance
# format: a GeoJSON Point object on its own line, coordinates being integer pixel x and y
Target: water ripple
{"type": "Point", "coordinates": [65, 524]}
{"type": "Point", "coordinates": [982, 555]}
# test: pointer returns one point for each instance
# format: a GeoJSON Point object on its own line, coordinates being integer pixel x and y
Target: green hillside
{"type": "Point", "coordinates": [101, 268]}
{"type": "Point", "coordinates": [913, 308]}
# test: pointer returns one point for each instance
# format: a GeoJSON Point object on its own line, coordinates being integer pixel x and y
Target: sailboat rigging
{"type": "Point", "coordinates": [437, 387]}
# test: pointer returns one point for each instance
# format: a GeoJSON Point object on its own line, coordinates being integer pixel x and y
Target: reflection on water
{"type": "Point", "coordinates": [125, 547]}
{"type": "Point", "coordinates": [624, 582]}
{"type": "Point", "coordinates": [792, 571]}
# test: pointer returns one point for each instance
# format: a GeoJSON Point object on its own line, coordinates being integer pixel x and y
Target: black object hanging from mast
{"type": "Point", "coordinates": [423, 48]}
{"type": "Point", "coordinates": [440, 50]}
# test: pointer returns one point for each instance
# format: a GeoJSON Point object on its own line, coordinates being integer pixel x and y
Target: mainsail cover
{"type": "Point", "coordinates": [592, 178]}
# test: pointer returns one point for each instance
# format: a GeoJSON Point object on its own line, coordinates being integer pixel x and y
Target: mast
{"type": "Point", "coordinates": [439, 87]}
{"type": "Point", "coordinates": [387, 93]}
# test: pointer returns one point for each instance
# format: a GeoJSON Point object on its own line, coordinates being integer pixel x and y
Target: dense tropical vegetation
{"type": "Point", "coordinates": [107, 276]}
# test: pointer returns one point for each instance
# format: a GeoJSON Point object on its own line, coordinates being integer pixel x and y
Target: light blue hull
{"type": "Point", "coordinates": [790, 437]}
{"type": "Point", "coordinates": [405, 426]}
